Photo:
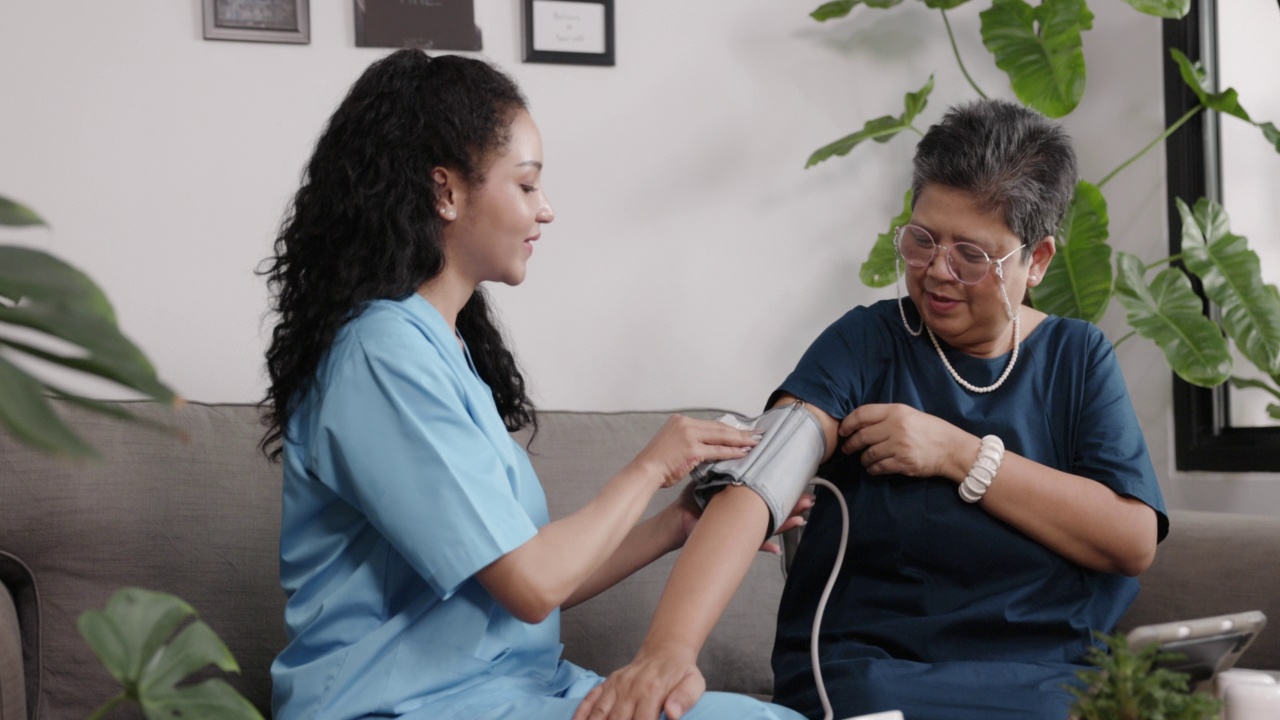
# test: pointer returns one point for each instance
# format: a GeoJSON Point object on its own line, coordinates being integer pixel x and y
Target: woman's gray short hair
{"type": "Point", "coordinates": [1012, 160]}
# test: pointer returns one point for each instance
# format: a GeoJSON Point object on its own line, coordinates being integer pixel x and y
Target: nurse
{"type": "Point", "coordinates": [423, 576]}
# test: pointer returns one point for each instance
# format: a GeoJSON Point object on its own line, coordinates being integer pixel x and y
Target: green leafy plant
{"type": "Point", "coordinates": [1128, 684]}
{"type": "Point", "coordinates": [1039, 49]}
{"type": "Point", "coordinates": [134, 638]}
{"type": "Point", "coordinates": [47, 297]}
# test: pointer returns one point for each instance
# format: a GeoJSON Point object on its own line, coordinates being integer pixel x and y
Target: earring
{"type": "Point", "coordinates": [447, 213]}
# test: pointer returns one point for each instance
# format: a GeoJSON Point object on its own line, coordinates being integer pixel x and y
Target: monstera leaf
{"type": "Point", "coordinates": [840, 8]}
{"type": "Point", "coordinates": [40, 293]}
{"type": "Point", "coordinates": [881, 266]}
{"type": "Point", "coordinates": [1040, 50]}
{"type": "Point", "coordinates": [881, 129]}
{"type": "Point", "coordinates": [1172, 9]}
{"type": "Point", "coordinates": [134, 638]}
{"type": "Point", "coordinates": [1170, 313]}
{"type": "Point", "coordinates": [13, 214]}
{"type": "Point", "coordinates": [1232, 278]}
{"type": "Point", "coordinates": [1078, 281]}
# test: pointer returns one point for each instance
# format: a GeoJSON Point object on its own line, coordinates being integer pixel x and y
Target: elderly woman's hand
{"type": "Point", "coordinates": [899, 439]}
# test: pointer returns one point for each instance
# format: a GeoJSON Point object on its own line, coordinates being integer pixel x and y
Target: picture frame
{"type": "Point", "coordinates": [425, 24]}
{"type": "Point", "coordinates": [570, 32]}
{"type": "Point", "coordinates": [278, 21]}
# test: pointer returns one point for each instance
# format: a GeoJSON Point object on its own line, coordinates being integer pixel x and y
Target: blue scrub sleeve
{"type": "Point", "coordinates": [408, 454]}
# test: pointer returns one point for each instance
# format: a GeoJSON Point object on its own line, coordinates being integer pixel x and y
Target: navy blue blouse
{"type": "Point", "coordinates": [942, 610]}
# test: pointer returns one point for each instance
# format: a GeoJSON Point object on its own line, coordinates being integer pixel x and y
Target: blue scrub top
{"type": "Point", "coordinates": [400, 483]}
{"type": "Point", "coordinates": [942, 610]}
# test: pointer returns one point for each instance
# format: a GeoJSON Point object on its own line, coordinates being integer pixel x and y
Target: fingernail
{"type": "Point", "coordinates": [757, 436]}
{"type": "Point", "coordinates": [803, 522]}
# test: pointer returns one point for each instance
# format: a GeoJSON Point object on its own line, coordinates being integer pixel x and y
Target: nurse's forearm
{"type": "Point", "coordinates": [542, 574]}
{"type": "Point", "coordinates": [646, 542]}
{"type": "Point", "coordinates": [710, 568]}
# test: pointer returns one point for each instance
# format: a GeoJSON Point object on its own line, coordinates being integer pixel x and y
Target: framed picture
{"type": "Point", "coordinates": [575, 32]}
{"type": "Point", "coordinates": [426, 24]}
{"type": "Point", "coordinates": [282, 21]}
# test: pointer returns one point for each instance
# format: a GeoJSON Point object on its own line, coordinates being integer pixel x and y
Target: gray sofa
{"type": "Point", "coordinates": [198, 517]}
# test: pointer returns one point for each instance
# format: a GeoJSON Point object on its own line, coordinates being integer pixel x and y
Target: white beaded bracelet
{"type": "Point", "coordinates": [984, 469]}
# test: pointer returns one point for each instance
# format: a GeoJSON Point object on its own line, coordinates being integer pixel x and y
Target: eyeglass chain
{"type": "Point", "coordinates": [1013, 359]}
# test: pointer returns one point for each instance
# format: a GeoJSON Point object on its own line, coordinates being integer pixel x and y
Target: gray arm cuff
{"type": "Point", "coordinates": [777, 469]}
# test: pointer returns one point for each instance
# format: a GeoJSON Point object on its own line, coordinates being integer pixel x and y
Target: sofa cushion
{"type": "Point", "coordinates": [1215, 564]}
{"type": "Point", "coordinates": [195, 515]}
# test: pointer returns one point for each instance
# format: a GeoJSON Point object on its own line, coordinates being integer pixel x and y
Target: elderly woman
{"type": "Point", "coordinates": [1001, 494]}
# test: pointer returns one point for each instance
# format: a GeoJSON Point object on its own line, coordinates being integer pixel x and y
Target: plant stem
{"type": "Point", "coordinates": [1167, 261]}
{"type": "Point", "coordinates": [915, 130]}
{"type": "Point", "coordinates": [1116, 344]}
{"type": "Point", "coordinates": [1159, 139]}
{"type": "Point", "coordinates": [108, 706]}
{"type": "Point", "coordinates": [951, 36]}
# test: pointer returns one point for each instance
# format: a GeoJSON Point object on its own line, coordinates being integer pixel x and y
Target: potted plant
{"type": "Point", "coordinates": [1130, 685]}
{"type": "Point", "coordinates": [134, 636]}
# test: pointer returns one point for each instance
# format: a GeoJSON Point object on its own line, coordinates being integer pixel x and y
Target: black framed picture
{"type": "Point", "coordinates": [426, 24]}
{"type": "Point", "coordinates": [574, 32]}
{"type": "Point", "coordinates": [281, 21]}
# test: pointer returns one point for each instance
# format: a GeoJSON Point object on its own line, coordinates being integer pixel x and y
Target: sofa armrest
{"type": "Point", "coordinates": [13, 694]}
{"type": "Point", "coordinates": [18, 640]}
{"type": "Point", "coordinates": [1214, 564]}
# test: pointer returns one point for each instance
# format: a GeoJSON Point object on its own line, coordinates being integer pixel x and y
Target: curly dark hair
{"type": "Point", "coordinates": [364, 223]}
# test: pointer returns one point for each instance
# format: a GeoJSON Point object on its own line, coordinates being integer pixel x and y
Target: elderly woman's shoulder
{"type": "Point", "coordinates": [1075, 332]}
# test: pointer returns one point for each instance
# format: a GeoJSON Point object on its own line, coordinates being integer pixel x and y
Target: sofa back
{"type": "Point", "coordinates": [198, 514]}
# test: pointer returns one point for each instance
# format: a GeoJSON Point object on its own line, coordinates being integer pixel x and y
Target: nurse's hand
{"type": "Point", "coordinates": [655, 682]}
{"type": "Point", "coordinates": [687, 512]}
{"type": "Point", "coordinates": [683, 442]}
{"type": "Point", "coordinates": [896, 438]}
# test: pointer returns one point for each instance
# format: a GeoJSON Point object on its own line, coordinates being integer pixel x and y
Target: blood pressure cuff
{"type": "Point", "coordinates": [777, 469]}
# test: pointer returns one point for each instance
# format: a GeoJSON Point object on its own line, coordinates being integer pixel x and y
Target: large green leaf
{"type": "Point", "coordinates": [43, 278]}
{"type": "Point", "coordinates": [1232, 278]}
{"type": "Point", "coordinates": [832, 10]}
{"type": "Point", "coordinates": [1272, 135]}
{"type": "Point", "coordinates": [62, 302]}
{"type": "Point", "coordinates": [1078, 281]}
{"type": "Point", "coordinates": [1040, 50]}
{"type": "Point", "coordinates": [1171, 314]}
{"type": "Point", "coordinates": [944, 4]}
{"type": "Point", "coordinates": [1194, 75]}
{"type": "Point", "coordinates": [134, 640]}
{"type": "Point", "coordinates": [1172, 9]}
{"type": "Point", "coordinates": [1239, 382]}
{"type": "Point", "coordinates": [840, 8]}
{"type": "Point", "coordinates": [881, 266]}
{"type": "Point", "coordinates": [50, 297]}
{"type": "Point", "coordinates": [13, 214]}
{"type": "Point", "coordinates": [881, 129]}
{"type": "Point", "coordinates": [25, 412]}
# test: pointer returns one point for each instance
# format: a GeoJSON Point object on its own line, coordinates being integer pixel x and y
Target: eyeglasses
{"type": "Point", "coordinates": [966, 262]}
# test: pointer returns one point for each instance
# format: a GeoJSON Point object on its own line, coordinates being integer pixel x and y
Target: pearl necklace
{"type": "Point", "coordinates": [1013, 359]}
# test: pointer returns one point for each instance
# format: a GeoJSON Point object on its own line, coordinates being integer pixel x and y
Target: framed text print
{"type": "Point", "coordinates": [575, 32]}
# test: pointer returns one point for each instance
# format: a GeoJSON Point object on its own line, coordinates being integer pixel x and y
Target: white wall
{"type": "Point", "coordinates": [686, 222]}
